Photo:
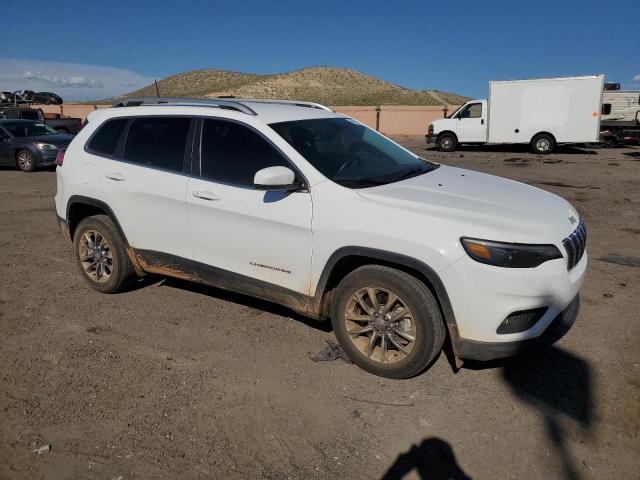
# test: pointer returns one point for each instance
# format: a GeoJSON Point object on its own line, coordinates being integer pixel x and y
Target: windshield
{"type": "Point", "coordinates": [28, 129]}
{"type": "Point", "coordinates": [351, 154]}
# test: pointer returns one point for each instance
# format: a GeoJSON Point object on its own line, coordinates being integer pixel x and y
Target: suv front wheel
{"type": "Point", "coordinates": [101, 255]}
{"type": "Point", "coordinates": [387, 321]}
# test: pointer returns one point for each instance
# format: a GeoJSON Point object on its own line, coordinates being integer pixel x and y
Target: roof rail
{"type": "Point", "coordinates": [296, 103]}
{"type": "Point", "coordinates": [192, 102]}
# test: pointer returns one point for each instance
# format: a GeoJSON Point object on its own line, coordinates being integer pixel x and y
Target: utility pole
{"type": "Point", "coordinates": [157, 89]}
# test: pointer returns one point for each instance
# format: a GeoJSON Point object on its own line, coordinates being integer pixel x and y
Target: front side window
{"type": "Point", "coordinates": [28, 129]}
{"type": "Point", "coordinates": [473, 110]}
{"type": "Point", "coordinates": [105, 140]}
{"type": "Point", "coordinates": [158, 142]}
{"type": "Point", "coordinates": [232, 153]}
{"type": "Point", "coordinates": [349, 153]}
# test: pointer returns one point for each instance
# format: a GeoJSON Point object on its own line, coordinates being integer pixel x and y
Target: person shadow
{"type": "Point", "coordinates": [559, 385]}
{"type": "Point", "coordinates": [433, 459]}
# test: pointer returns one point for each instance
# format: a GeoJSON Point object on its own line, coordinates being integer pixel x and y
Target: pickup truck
{"type": "Point", "coordinates": [61, 124]}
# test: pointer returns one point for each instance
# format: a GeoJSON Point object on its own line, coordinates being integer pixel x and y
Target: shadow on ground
{"type": "Point", "coordinates": [520, 148]}
{"type": "Point", "coordinates": [433, 459]}
{"type": "Point", "coordinates": [246, 301]}
{"type": "Point", "coordinates": [559, 386]}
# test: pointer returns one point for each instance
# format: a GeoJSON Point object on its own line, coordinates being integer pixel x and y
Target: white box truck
{"type": "Point", "coordinates": [542, 112]}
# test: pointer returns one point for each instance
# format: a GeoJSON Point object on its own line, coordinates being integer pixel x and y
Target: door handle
{"type": "Point", "coordinates": [206, 195]}
{"type": "Point", "coordinates": [118, 177]}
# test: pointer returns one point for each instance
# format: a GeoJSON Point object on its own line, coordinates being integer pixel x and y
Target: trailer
{"type": "Point", "coordinates": [541, 112]}
{"type": "Point", "coordinates": [620, 122]}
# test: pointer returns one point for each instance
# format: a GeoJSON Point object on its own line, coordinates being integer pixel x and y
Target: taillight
{"type": "Point", "coordinates": [60, 157]}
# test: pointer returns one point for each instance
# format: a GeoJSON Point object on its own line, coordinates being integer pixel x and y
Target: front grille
{"type": "Point", "coordinates": [575, 245]}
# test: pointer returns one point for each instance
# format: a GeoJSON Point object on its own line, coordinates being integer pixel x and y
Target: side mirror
{"type": "Point", "coordinates": [275, 178]}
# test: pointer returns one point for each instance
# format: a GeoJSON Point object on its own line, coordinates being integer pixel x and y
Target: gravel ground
{"type": "Point", "coordinates": [175, 380]}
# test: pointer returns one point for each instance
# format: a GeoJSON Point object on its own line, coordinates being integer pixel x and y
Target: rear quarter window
{"type": "Point", "coordinates": [105, 140]}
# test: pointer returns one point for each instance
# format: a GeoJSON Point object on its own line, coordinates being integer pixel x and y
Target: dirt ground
{"type": "Point", "coordinates": [175, 380]}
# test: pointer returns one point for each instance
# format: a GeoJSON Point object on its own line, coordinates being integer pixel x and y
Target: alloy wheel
{"type": "Point", "coordinates": [380, 325]}
{"type": "Point", "coordinates": [96, 256]}
{"type": "Point", "coordinates": [25, 161]}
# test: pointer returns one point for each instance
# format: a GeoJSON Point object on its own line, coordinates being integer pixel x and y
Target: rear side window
{"type": "Point", "coordinates": [158, 142]}
{"type": "Point", "coordinates": [232, 153]}
{"type": "Point", "coordinates": [105, 140]}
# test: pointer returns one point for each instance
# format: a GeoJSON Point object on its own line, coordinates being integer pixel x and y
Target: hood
{"type": "Point", "coordinates": [479, 202]}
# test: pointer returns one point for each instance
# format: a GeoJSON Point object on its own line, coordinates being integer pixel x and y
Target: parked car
{"type": "Point", "coordinates": [30, 145]}
{"type": "Point", "coordinates": [296, 204]}
{"type": "Point", "coordinates": [7, 98]}
{"type": "Point", "coordinates": [60, 124]}
{"type": "Point", "coordinates": [542, 113]}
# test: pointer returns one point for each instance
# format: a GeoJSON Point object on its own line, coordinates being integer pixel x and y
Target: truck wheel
{"type": "Point", "coordinates": [447, 142]}
{"type": "Point", "coordinates": [387, 321]}
{"type": "Point", "coordinates": [101, 255]}
{"type": "Point", "coordinates": [543, 143]}
{"type": "Point", "coordinates": [25, 161]}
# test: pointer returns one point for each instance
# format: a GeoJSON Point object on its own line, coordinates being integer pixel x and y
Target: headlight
{"type": "Point", "coordinates": [509, 255]}
{"type": "Point", "coordinates": [46, 146]}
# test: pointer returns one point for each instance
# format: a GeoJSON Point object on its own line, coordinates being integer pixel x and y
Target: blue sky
{"type": "Point", "coordinates": [94, 49]}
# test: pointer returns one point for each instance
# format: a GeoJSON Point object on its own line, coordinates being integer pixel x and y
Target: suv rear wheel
{"type": "Point", "coordinates": [387, 321]}
{"type": "Point", "coordinates": [101, 255]}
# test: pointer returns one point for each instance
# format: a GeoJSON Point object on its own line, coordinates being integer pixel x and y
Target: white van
{"type": "Point", "coordinates": [542, 112]}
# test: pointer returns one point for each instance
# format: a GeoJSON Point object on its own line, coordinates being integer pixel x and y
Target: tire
{"type": "Point", "coordinates": [25, 161]}
{"type": "Point", "coordinates": [447, 142]}
{"type": "Point", "coordinates": [543, 144]}
{"type": "Point", "coordinates": [424, 324]}
{"type": "Point", "coordinates": [118, 272]}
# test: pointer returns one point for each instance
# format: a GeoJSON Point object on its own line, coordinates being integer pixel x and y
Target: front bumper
{"type": "Point", "coordinates": [431, 139]}
{"type": "Point", "coordinates": [484, 351]}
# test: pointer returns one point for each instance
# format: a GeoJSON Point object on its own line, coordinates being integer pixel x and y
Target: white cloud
{"type": "Point", "coordinates": [636, 78]}
{"type": "Point", "coordinates": [69, 80]}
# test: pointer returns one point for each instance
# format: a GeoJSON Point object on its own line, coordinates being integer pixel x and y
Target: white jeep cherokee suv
{"type": "Point", "coordinates": [296, 204]}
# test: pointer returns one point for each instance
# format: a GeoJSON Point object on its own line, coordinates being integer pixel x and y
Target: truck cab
{"type": "Point", "coordinates": [468, 124]}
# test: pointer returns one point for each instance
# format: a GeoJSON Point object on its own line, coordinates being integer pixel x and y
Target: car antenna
{"type": "Point", "coordinates": [157, 89]}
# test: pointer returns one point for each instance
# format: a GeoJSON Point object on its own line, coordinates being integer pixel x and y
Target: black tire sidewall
{"type": "Point", "coordinates": [103, 225]}
{"type": "Point", "coordinates": [426, 314]}
{"type": "Point", "coordinates": [454, 142]}
{"type": "Point", "coordinates": [552, 144]}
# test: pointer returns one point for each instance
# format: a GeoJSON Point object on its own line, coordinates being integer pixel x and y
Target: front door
{"type": "Point", "coordinates": [471, 126]}
{"type": "Point", "coordinates": [5, 149]}
{"type": "Point", "coordinates": [260, 235]}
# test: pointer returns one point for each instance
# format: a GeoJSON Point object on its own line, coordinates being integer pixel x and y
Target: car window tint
{"type": "Point", "coordinates": [232, 153]}
{"type": "Point", "coordinates": [158, 142]}
{"type": "Point", "coordinates": [30, 115]}
{"type": "Point", "coordinates": [105, 140]}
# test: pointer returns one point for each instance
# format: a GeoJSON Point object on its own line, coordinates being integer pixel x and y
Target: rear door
{"type": "Point", "coordinates": [145, 182]}
{"type": "Point", "coordinates": [471, 126]}
{"type": "Point", "coordinates": [261, 235]}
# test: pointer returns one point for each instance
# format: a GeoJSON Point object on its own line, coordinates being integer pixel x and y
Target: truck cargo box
{"type": "Point", "coordinates": [567, 108]}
